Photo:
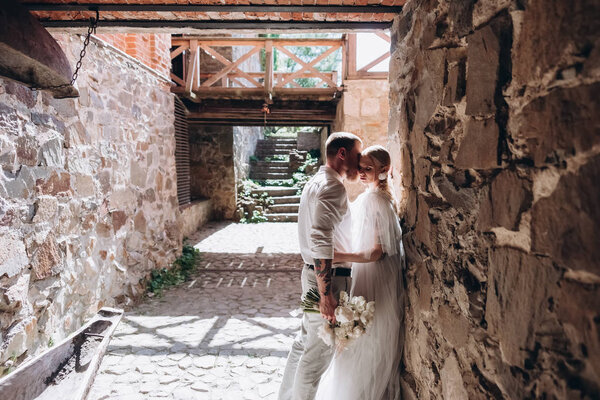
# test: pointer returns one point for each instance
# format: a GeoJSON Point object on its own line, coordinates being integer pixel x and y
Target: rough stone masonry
{"type": "Point", "coordinates": [495, 128]}
{"type": "Point", "coordinates": [88, 198]}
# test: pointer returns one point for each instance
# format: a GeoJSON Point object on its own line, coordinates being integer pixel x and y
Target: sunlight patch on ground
{"type": "Point", "coordinates": [280, 237]}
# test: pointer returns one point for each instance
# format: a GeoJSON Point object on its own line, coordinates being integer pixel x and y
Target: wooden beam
{"type": "Point", "coordinates": [206, 75]}
{"type": "Point", "coordinates": [212, 41]}
{"type": "Point", "coordinates": [268, 69]}
{"type": "Point", "coordinates": [183, 47]}
{"type": "Point", "coordinates": [231, 66]}
{"type": "Point", "coordinates": [177, 79]}
{"type": "Point", "coordinates": [351, 54]}
{"type": "Point", "coordinates": [192, 67]}
{"type": "Point", "coordinates": [373, 63]}
{"type": "Point", "coordinates": [344, 57]}
{"type": "Point", "coordinates": [245, 93]}
{"type": "Point", "coordinates": [308, 66]}
{"type": "Point", "coordinates": [226, 62]}
{"type": "Point", "coordinates": [221, 24]}
{"type": "Point", "coordinates": [375, 9]}
{"type": "Point", "coordinates": [384, 36]}
{"type": "Point", "coordinates": [369, 75]}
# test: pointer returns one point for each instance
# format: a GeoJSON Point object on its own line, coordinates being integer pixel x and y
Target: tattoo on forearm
{"type": "Point", "coordinates": [323, 272]}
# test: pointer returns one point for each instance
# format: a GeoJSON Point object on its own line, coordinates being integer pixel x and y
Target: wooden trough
{"type": "Point", "coordinates": [65, 371]}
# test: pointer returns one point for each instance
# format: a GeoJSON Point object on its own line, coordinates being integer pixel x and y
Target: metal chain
{"type": "Point", "coordinates": [86, 42]}
{"type": "Point", "coordinates": [265, 110]}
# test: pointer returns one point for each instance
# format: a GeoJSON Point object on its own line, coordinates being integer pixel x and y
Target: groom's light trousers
{"type": "Point", "coordinates": [309, 356]}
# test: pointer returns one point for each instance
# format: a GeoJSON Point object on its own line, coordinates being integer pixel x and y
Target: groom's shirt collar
{"type": "Point", "coordinates": [332, 171]}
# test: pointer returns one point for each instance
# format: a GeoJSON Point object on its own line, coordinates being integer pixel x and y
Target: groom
{"type": "Point", "coordinates": [323, 225]}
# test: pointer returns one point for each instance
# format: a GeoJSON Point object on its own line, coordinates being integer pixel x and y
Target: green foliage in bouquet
{"type": "Point", "coordinates": [310, 302]}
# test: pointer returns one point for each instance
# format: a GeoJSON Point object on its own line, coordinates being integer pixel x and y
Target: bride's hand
{"type": "Point", "coordinates": [336, 257]}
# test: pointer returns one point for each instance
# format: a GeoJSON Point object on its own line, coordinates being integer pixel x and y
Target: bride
{"type": "Point", "coordinates": [369, 368]}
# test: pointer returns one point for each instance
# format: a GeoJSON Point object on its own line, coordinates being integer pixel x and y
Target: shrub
{"type": "Point", "coordinates": [181, 271]}
{"type": "Point", "coordinates": [255, 218]}
{"type": "Point", "coordinates": [251, 206]}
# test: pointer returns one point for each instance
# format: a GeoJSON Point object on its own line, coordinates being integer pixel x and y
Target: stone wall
{"type": "Point", "coordinates": [193, 216]}
{"type": "Point", "coordinates": [309, 139]}
{"type": "Point", "coordinates": [495, 128]}
{"type": "Point", "coordinates": [364, 110]}
{"type": "Point", "coordinates": [88, 200]}
{"type": "Point", "coordinates": [244, 144]}
{"type": "Point", "coordinates": [212, 168]}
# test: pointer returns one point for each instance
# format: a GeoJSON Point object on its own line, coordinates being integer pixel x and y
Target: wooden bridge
{"type": "Point", "coordinates": [238, 81]}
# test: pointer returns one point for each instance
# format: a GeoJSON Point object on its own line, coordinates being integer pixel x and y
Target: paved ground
{"type": "Point", "coordinates": [224, 335]}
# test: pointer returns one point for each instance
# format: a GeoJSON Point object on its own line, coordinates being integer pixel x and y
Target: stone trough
{"type": "Point", "coordinates": [65, 371]}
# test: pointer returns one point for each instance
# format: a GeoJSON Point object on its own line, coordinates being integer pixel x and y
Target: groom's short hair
{"type": "Point", "coordinates": [337, 140]}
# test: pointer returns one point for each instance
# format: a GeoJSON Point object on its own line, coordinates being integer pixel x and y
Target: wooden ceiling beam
{"type": "Point", "coordinates": [221, 24]}
{"type": "Point", "coordinates": [374, 9]}
{"type": "Point", "coordinates": [249, 112]}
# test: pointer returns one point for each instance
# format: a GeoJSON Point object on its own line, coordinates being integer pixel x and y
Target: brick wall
{"type": "Point", "coordinates": [152, 49]}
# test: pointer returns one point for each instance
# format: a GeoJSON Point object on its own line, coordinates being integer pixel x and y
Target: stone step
{"type": "Point", "coordinates": [284, 208]}
{"type": "Point", "coordinates": [270, 168]}
{"type": "Point", "coordinates": [275, 144]}
{"type": "Point", "coordinates": [275, 163]}
{"type": "Point", "coordinates": [286, 199]}
{"type": "Point", "coordinates": [270, 152]}
{"type": "Point", "coordinates": [275, 191]}
{"type": "Point", "coordinates": [279, 140]}
{"type": "Point", "coordinates": [282, 217]}
{"type": "Point", "coordinates": [270, 175]}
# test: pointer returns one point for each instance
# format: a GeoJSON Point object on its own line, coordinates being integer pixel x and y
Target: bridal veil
{"type": "Point", "coordinates": [369, 369]}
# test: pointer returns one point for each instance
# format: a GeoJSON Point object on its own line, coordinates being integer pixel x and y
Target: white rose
{"type": "Point", "coordinates": [357, 331]}
{"type": "Point", "coordinates": [344, 314]}
{"type": "Point", "coordinates": [340, 333]}
{"type": "Point", "coordinates": [370, 307]}
{"type": "Point", "coordinates": [359, 303]}
{"type": "Point", "coordinates": [326, 333]}
{"type": "Point", "coordinates": [343, 297]}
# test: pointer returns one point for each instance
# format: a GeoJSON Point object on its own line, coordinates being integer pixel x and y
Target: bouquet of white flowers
{"type": "Point", "coordinates": [353, 317]}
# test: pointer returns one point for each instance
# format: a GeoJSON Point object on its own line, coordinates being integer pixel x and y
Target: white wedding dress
{"type": "Point", "coordinates": [368, 369]}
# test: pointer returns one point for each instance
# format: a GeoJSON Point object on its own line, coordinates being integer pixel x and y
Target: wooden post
{"type": "Point", "coordinates": [351, 55]}
{"type": "Point", "coordinates": [193, 68]}
{"type": "Point", "coordinates": [268, 69]}
{"type": "Point", "coordinates": [344, 57]}
{"type": "Point", "coordinates": [196, 84]}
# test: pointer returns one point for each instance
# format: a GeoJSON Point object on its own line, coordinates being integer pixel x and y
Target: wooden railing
{"type": "Point", "coordinates": [354, 52]}
{"type": "Point", "coordinates": [195, 79]}
{"type": "Point", "coordinates": [227, 77]}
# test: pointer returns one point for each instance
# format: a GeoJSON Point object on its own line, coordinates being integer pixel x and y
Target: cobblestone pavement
{"type": "Point", "coordinates": [223, 335]}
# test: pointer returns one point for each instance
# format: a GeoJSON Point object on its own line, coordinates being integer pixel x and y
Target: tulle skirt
{"type": "Point", "coordinates": [369, 369]}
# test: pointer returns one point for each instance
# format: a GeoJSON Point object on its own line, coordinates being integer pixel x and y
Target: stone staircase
{"type": "Point", "coordinates": [285, 203]}
{"type": "Point", "coordinates": [273, 169]}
